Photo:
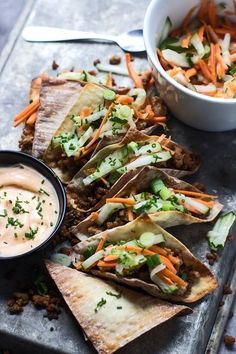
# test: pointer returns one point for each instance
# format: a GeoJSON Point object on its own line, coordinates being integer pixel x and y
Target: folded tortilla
{"type": "Point", "coordinates": [120, 320]}
{"type": "Point", "coordinates": [141, 184]}
{"type": "Point", "coordinates": [202, 283]}
{"type": "Point", "coordinates": [182, 163]}
{"type": "Point", "coordinates": [57, 96]}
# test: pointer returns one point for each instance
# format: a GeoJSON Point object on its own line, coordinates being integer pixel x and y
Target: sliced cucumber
{"type": "Point", "coordinates": [165, 193]}
{"type": "Point", "coordinates": [179, 59]}
{"type": "Point", "coordinates": [165, 30]}
{"type": "Point", "coordinates": [107, 210]}
{"type": "Point", "coordinates": [148, 239]}
{"type": "Point", "coordinates": [196, 42]}
{"type": "Point", "coordinates": [156, 185]}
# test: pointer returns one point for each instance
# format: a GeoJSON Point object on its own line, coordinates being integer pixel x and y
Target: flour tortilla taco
{"type": "Point", "coordinates": [110, 169]}
{"type": "Point", "coordinates": [166, 199]}
{"type": "Point", "coordinates": [111, 315]}
{"type": "Point", "coordinates": [143, 255]}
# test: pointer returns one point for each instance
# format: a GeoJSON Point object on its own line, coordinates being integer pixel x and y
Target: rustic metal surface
{"type": "Point", "coordinates": [30, 329]}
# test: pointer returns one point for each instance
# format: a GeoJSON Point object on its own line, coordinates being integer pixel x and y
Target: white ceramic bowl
{"type": "Point", "coordinates": [194, 109]}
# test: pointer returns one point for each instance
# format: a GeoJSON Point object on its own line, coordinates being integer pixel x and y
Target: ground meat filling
{"type": "Point", "coordinates": [26, 140]}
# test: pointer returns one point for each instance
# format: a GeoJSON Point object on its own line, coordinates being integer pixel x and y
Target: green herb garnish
{"type": "Point", "coordinates": [31, 234]}
{"type": "Point", "coordinates": [118, 296]}
{"type": "Point", "coordinates": [101, 303]}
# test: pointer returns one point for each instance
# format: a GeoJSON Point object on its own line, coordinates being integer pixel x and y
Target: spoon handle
{"type": "Point", "coordinates": [51, 34]}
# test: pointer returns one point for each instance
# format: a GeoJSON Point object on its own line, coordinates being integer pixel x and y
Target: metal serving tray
{"type": "Point", "coordinates": [19, 63]}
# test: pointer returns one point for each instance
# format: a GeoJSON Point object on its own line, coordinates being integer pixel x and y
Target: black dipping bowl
{"type": "Point", "coordinates": [10, 158]}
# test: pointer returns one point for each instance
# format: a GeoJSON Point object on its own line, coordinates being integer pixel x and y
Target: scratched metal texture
{"type": "Point", "coordinates": [29, 330]}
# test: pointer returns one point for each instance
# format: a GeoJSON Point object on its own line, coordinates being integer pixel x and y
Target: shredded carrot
{"type": "Point", "coordinates": [136, 249]}
{"type": "Point", "coordinates": [86, 152]}
{"type": "Point", "coordinates": [94, 215]}
{"type": "Point", "coordinates": [85, 112]}
{"type": "Point", "coordinates": [26, 113]}
{"type": "Point", "coordinates": [189, 73]}
{"type": "Point", "coordinates": [168, 264]}
{"type": "Point", "coordinates": [104, 181]}
{"type": "Point", "coordinates": [186, 40]}
{"type": "Point", "coordinates": [208, 204]}
{"type": "Point", "coordinates": [205, 70]}
{"type": "Point", "coordinates": [106, 264]}
{"type": "Point", "coordinates": [174, 260]}
{"type": "Point", "coordinates": [188, 18]}
{"type": "Point", "coordinates": [124, 99]}
{"type": "Point", "coordinates": [159, 119]}
{"type": "Point", "coordinates": [203, 10]}
{"type": "Point", "coordinates": [147, 252]}
{"type": "Point", "coordinates": [127, 201]}
{"type": "Point", "coordinates": [201, 33]}
{"type": "Point", "coordinates": [130, 214]}
{"type": "Point", "coordinates": [220, 60]}
{"type": "Point", "coordinates": [32, 119]}
{"type": "Point", "coordinates": [109, 80]}
{"type": "Point", "coordinates": [132, 73]}
{"type": "Point", "coordinates": [98, 131]}
{"type": "Point", "coordinates": [165, 279]}
{"type": "Point", "coordinates": [213, 62]}
{"type": "Point", "coordinates": [212, 13]}
{"type": "Point", "coordinates": [175, 278]}
{"type": "Point", "coordinates": [159, 250]}
{"type": "Point", "coordinates": [111, 258]}
{"type": "Point", "coordinates": [77, 265]}
{"type": "Point", "coordinates": [163, 62]}
{"type": "Point", "coordinates": [191, 208]}
{"type": "Point", "coordinates": [194, 194]}
{"type": "Point", "coordinates": [101, 243]}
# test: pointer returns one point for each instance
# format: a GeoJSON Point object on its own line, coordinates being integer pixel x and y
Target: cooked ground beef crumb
{"type": "Point", "coordinates": [50, 302]}
{"type": "Point", "coordinates": [158, 106]}
{"type": "Point", "coordinates": [229, 340]}
{"type": "Point", "coordinates": [16, 303]}
{"type": "Point", "coordinates": [26, 140]}
{"type": "Point", "coordinates": [230, 237]}
{"type": "Point", "coordinates": [54, 65]}
{"type": "Point", "coordinates": [115, 60]}
{"type": "Point", "coordinates": [212, 257]}
{"type": "Point", "coordinates": [92, 72]}
{"type": "Point", "coordinates": [96, 61]}
{"type": "Point", "coordinates": [227, 290]}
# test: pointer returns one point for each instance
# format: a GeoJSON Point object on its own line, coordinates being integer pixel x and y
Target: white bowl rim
{"type": "Point", "coordinates": [156, 62]}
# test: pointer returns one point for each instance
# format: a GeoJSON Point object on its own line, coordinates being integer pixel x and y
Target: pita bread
{"type": "Point", "coordinates": [141, 183]}
{"type": "Point", "coordinates": [119, 321]}
{"type": "Point", "coordinates": [202, 282]}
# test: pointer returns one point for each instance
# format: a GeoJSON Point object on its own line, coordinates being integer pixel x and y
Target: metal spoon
{"type": "Point", "coordinates": [131, 41]}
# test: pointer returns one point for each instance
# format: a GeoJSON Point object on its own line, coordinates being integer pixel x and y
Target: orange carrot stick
{"type": "Point", "coordinates": [127, 201]}
{"type": "Point", "coordinates": [188, 18]}
{"type": "Point", "coordinates": [168, 264]}
{"type": "Point", "coordinates": [194, 194]}
{"type": "Point", "coordinates": [130, 214]}
{"type": "Point", "coordinates": [205, 70]}
{"type": "Point", "coordinates": [159, 250]}
{"type": "Point", "coordinates": [165, 279]}
{"type": "Point", "coordinates": [109, 80]}
{"type": "Point", "coordinates": [97, 133]}
{"type": "Point", "coordinates": [111, 258]}
{"type": "Point", "coordinates": [213, 62]}
{"type": "Point", "coordinates": [26, 113]}
{"type": "Point", "coordinates": [174, 260]}
{"type": "Point", "coordinates": [189, 73]}
{"type": "Point", "coordinates": [132, 73]}
{"type": "Point", "coordinates": [101, 243]}
{"type": "Point", "coordinates": [201, 33]}
{"type": "Point", "coordinates": [124, 99]}
{"type": "Point", "coordinates": [106, 264]}
{"type": "Point", "coordinates": [186, 40]}
{"type": "Point", "coordinates": [94, 216]}
{"type": "Point", "coordinates": [212, 14]}
{"type": "Point", "coordinates": [175, 278]}
{"type": "Point", "coordinates": [32, 119]}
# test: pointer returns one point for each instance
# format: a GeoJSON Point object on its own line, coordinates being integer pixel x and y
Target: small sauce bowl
{"type": "Point", "coordinates": [9, 158]}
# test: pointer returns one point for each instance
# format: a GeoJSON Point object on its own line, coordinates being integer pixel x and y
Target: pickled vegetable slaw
{"type": "Point", "coordinates": [201, 53]}
{"type": "Point", "coordinates": [148, 251]}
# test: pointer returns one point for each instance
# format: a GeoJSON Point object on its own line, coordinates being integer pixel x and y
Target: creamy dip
{"type": "Point", "coordinates": [28, 209]}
